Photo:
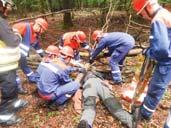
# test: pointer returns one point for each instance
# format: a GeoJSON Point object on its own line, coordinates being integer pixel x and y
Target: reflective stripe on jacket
{"type": "Point", "coordinates": [9, 50]}
{"type": "Point", "coordinates": [9, 58]}
{"type": "Point", "coordinates": [52, 76]}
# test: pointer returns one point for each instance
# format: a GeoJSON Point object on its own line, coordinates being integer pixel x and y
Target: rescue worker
{"type": "Point", "coordinates": [75, 40]}
{"type": "Point", "coordinates": [55, 84]}
{"type": "Point", "coordinates": [118, 45]}
{"type": "Point", "coordinates": [159, 50]}
{"type": "Point", "coordinates": [93, 88]}
{"type": "Point", "coordinates": [30, 32]}
{"type": "Point", "coordinates": [9, 56]}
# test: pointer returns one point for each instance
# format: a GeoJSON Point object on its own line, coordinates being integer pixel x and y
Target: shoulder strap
{"type": "Point", "coordinates": [50, 66]}
{"type": "Point", "coordinates": [27, 38]}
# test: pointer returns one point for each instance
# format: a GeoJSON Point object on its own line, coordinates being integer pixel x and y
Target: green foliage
{"type": "Point", "coordinates": [165, 1]}
{"type": "Point", "coordinates": [52, 114]}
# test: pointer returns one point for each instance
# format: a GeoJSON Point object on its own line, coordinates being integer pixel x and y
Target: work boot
{"type": "Point", "coordinates": [15, 105]}
{"type": "Point", "coordinates": [7, 118]}
{"type": "Point", "coordinates": [115, 108]}
{"type": "Point", "coordinates": [137, 116]}
{"type": "Point", "coordinates": [83, 124]}
{"type": "Point", "coordinates": [54, 106]}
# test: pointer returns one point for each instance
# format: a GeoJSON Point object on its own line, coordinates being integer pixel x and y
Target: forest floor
{"type": "Point", "coordinates": [36, 115]}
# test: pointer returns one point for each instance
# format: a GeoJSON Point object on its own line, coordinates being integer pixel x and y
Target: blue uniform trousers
{"type": "Point", "coordinates": [157, 86]}
{"type": "Point", "coordinates": [64, 92]}
{"type": "Point", "coordinates": [26, 69]}
{"type": "Point", "coordinates": [117, 58]}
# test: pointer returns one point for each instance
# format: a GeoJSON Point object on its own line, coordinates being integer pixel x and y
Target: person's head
{"type": "Point", "coordinates": [5, 7]}
{"type": "Point", "coordinates": [97, 34]}
{"type": "Point", "coordinates": [40, 25]}
{"type": "Point", "coordinates": [80, 36]}
{"type": "Point", "coordinates": [52, 52]}
{"type": "Point", "coordinates": [67, 53]}
{"type": "Point", "coordinates": [146, 8]}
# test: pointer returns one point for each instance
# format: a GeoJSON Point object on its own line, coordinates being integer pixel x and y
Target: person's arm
{"type": "Point", "coordinates": [38, 49]}
{"type": "Point", "coordinates": [101, 45]}
{"type": "Point", "coordinates": [159, 41]}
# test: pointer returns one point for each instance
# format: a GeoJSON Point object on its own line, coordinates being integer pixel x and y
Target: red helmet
{"type": "Point", "coordinates": [81, 36]}
{"type": "Point", "coordinates": [68, 51]}
{"type": "Point", "coordinates": [96, 34]}
{"type": "Point", "coordinates": [139, 5]}
{"type": "Point", "coordinates": [52, 49]}
{"type": "Point", "coordinates": [42, 22]}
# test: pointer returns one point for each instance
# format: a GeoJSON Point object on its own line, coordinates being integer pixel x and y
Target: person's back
{"type": "Point", "coordinates": [52, 76]}
{"type": "Point", "coordinates": [114, 39]}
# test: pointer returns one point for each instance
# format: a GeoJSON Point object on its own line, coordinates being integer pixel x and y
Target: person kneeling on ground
{"type": "Point", "coordinates": [93, 88]}
{"type": "Point", "coordinates": [55, 84]}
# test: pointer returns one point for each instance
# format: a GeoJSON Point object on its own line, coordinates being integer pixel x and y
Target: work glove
{"type": "Point", "coordinates": [91, 60]}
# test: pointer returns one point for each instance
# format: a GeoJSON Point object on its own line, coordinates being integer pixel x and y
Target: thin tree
{"type": "Point", "coordinates": [67, 4]}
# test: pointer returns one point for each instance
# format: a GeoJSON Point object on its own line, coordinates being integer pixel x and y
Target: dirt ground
{"type": "Point", "coordinates": [37, 115]}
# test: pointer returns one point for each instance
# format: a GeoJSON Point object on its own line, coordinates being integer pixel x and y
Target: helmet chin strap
{"type": "Point", "coordinates": [154, 13]}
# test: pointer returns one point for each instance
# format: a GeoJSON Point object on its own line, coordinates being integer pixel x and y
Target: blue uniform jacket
{"type": "Point", "coordinates": [160, 43]}
{"type": "Point", "coordinates": [113, 40]}
{"type": "Point", "coordinates": [51, 76]}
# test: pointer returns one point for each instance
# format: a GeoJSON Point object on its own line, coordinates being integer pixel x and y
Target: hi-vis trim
{"type": "Point", "coordinates": [23, 52]}
{"type": "Point", "coordinates": [151, 37]}
{"type": "Point", "coordinates": [50, 66]}
{"type": "Point", "coordinates": [87, 47]}
{"type": "Point", "coordinates": [8, 67]}
{"type": "Point", "coordinates": [9, 58]}
{"type": "Point", "coordinates": [6, 117]}
{"type": "Point", "coordinates": [150, 110]}
{"type": "Point", "coordinates": [29, 74]}
{"type": "Point", "coordinates": [115, 71]}
{"type": "Point", "coordinates": [22, 46]}
{"type": "Point", "coordinates": [168, 122]}
{"type": "Point", "coordinates": [5, 51]}
{"type": "Point", "coordinates": [39, 51]}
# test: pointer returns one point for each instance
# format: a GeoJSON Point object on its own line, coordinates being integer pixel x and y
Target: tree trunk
{"type": "Point", "coordinates": [67, 4]}
{"type": "Point", "coordinates": [50, 5]}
